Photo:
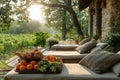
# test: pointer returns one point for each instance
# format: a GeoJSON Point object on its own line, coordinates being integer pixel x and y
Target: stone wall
{"type": "Point", "coordinates": [106, 16]}
{"type": "Point", "coordinates": [115, 12]}
{"type": "Point", "coordinates": [110, 16]}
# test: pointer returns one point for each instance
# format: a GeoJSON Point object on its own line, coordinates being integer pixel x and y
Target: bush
{"type": "Point", "coordinates": [113, 39]}
{"type": "Point", "coordinates": [40, 39]}
{"type": "Point", "coordinates": [96, 36]}
{"type": "Point", "coordinates": [52, 41]}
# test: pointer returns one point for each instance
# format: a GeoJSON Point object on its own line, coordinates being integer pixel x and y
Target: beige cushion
{"type": "Point", "coordinates": [100, 61]}
{"type": "Point", "coordinates": [84, 41]}
{"type": "Point", "coordinates": [85, 48]}
{"type": "Point", "coordinates": [69, 72]}
{"type": "Point", "coordinates": [66, 47]}
{"type": "Point", "coordinates": [116, 69]}
{"type": "Point", "coordinates": [65, 54]}
{"type": "Point", "coordinates": [118, 52]}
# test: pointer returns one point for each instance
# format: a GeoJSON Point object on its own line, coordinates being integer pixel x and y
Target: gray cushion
{"type": "Point", "coordinates": [96, 49]}
{"type": "Point", "coordinates": [100, 61]}
{"type": "Point", "coordinates": [84, 41]}
{"type": "Point", "coordinates": [66, 47]}
{"type": "Point", "coordinates": [102, 45]}
{"type": "Point", "coordinates": [86, 48]}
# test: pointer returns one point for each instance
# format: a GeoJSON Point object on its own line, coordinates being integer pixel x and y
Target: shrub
{"type": "Point", "coordinates": [113, 39]}
{"type": "Point", "coordinates": [52, 41]}
{"type": "Point", "coordinates": [40, 39]}
{"type": "Point", "coordinates": [96, 36]}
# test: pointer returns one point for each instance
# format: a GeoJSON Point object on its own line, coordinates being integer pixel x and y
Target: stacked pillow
{"type": "Point", "coordinates": [101, 45]}
{"type": "Point", "coordinates": [116, 67]}
{"type": "Point", "coordinates": [100, 61]}
{"type": "Point", "coordinates": [86, 47]}
{"type": "Point", "coordinates": [84, 41]}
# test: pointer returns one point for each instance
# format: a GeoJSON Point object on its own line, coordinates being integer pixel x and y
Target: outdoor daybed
{"type": "Point", "coordinates": [67, 56]}
{"type": "Point", "coordinates": [74, 53]}
{"type": "Point", "coordinates": [68, 45]}
{"type": "Point", "coordinates": [69, 72]}
{"type": "Point", "coordinates": [99, 65]}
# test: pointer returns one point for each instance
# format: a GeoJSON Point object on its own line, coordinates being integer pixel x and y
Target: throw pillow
{"type": "Point", "coordinates": [95, 49]}
{"type": "Point", "coordinates": [102, 45]}
{"type": "Point", "coordinates": [84, 41]}
{"type": "Point", "coordinates": [118, 52]}
{"type": "Point", "coordinates": [100, 61]}
{"type": "Point", "coordinates": [86, 48]}
{"type": "Point", "coordinates": [116, 69]}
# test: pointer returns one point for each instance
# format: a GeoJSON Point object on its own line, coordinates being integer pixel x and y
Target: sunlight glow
{"type": "Point", "coordinates": [36, 13]}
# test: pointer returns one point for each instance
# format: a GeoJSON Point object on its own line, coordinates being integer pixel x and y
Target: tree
{"type": "Point", "coordinates": [5, 13]}
{"type": "Point", "coordinates": [19, 8]}
{"type": "Point", "coordinates": [9, 11]}
{"type": "Point", "coordinates": [31, 27]}
{"type": "Point", "coordinates": [71, 11]}
{"type": "Point", "coordinates": [26, 3]}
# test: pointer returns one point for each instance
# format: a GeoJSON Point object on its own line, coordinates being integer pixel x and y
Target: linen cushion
{"type": "Point", "coordinates": [84, 41]}
{"type": "Point", "coordinates": [116, 67]}
{"type": "Point", "coordinates": [64, 47]}
{"type": "Point", "coordinates": [102, 45]}
{"type": "Point", "coordinates": [96, 49]}
{"type": "Point", "coordinates": [118, 52]}
{"type": "Point", "coordinates": [100, 61]}
{"type": "Point", "coordinates": [85, 48]}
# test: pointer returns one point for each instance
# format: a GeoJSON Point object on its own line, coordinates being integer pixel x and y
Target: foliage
{"type": "Point", "coordinates": [50, 64]}
{"type": "Point", "coordinates": [25, 28]}
{"type": "Point", "coordinates": [40, 39]}
{"type": "Point", "coordinates": [52, 41]}
{"type": "Point", "coordinates": [96, 36]}
{"type": "Point", "coordinates": [18, 13]}
{"type": "Point", "coordinates": [57, 20]}
{"type": "Point", "coordinates": [5, 13]}
{"type": "Point", "coordinates": [113, 38]}
{"type": "Point", "coordinates": [4, 57]}
{"type": "Point", "coordinates": [11, 42]}
{"type": "Point", "coordinates": [83, 19]}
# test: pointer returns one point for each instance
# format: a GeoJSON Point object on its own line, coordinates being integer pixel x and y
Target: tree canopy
{"type": "Point", "coordinates": [16, 10]}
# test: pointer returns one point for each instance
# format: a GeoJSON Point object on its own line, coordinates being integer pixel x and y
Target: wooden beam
{"type": "Point", "coordinates": [98, 18]}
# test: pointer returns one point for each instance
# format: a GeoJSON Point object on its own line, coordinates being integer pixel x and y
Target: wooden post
{"type": "Point", "coordinates": [98, 18]}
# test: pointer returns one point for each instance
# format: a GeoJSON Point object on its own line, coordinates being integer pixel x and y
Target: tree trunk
{"type": "Point", "coordinates": [98, 18]}
{"type": "Point", "coordinates": [64, 29]}
{"type": "Point", "coordinates": [91, 23]}
{"type": "Point", "coordinates": [76, 22]}
{"type": "Point", "coordinates": [71, 11]}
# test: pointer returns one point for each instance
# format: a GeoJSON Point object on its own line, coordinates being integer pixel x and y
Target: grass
{"type": "Point", "coordinates": [3, 58]}
{"type": "Point", "coordinates": [3, 65]}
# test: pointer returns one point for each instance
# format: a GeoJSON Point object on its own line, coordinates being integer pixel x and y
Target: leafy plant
{"type": "Point", "coordinates": [12, 42]}
{"type": "Point", "coordinates": [96, 36]}
{"type": "Point", "coordinates": [40, 38]}
{"type": "Point", "coordinates": [52, 41]}
{"type": "Point", "coordinates": [50, 64]}
{"type": "Point", "coordinates": [113, 38]}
